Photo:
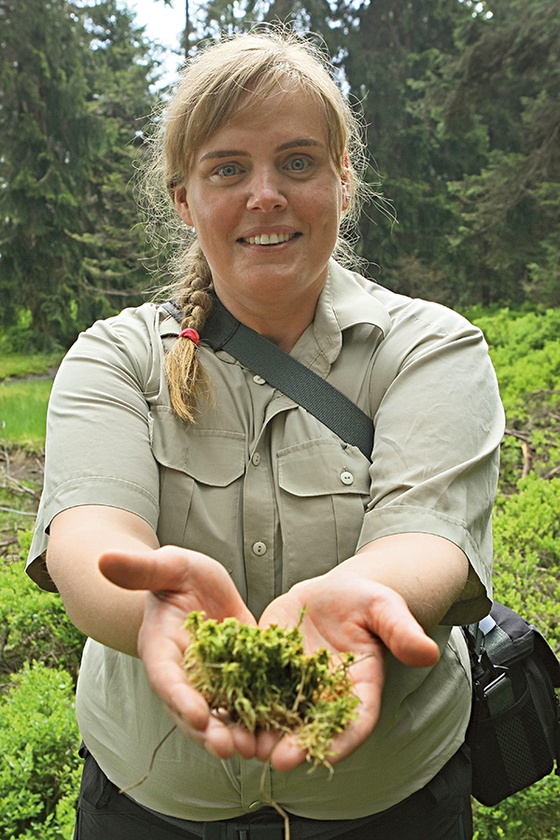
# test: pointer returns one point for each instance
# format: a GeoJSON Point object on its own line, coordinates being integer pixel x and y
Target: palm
{"type": "Point", "coordinates": [365, 619]}
{"type": "Point", "coordinates": [177, 582]}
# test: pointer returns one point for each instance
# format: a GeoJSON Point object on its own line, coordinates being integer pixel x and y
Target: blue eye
{"type": "Point", "coordinates": [298, 164]}
{"type": "Point", "coordinates": [228, 170]}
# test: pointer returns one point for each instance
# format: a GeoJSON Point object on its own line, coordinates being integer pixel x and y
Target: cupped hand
{"type": "Point", "coordinates": [363, 617]}
{"type": "Point", "coordinates": [178, 581]}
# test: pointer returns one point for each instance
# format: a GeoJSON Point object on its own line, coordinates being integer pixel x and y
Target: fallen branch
{"type": "Point", "coordinates": [527, 459]}
{"type": "Point", "coordinates": [19, 487]}
{"type": "Point", "coordinates": [18, 512]}
{"type": "Point", "coordinates": [524, 436]}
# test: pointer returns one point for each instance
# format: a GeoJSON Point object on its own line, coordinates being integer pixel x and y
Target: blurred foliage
{"type": "Point", "coordinates": [34, 625]}
{"type": "Point", "coordinates": [23, 411]}
{"type": "Point", "coordinates": [74, 100]}
{"type": "Point", "coordinates": [525, 350]}
{"type": "Point", "coordinates": [531, 814]}
{"type": "Point", "coordinates": [39, 765]}
{"type": "Point", "coordinates": [527, 553]}
{"type": "Point", "coordinates": [17, 365]}
{"type": "Point", "coordinates": [460, 101]}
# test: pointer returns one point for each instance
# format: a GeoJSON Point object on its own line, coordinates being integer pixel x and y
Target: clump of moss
{"type": "Point", "coordinates": [264, 680]}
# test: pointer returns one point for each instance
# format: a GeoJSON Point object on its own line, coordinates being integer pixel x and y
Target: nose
{"type": "Point", "coordinates": [265, 191]}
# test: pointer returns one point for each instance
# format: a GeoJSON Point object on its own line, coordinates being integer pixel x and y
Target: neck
{"type": "Point", "coordinates": [283, 325]}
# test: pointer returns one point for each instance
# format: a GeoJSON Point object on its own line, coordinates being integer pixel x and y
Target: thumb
{"type": "Point", "coordinates": [199, 581]}
{"type": "Point", "coordinates": [152, 569]}
{"type": "Point", "coordinates": [400, 632]}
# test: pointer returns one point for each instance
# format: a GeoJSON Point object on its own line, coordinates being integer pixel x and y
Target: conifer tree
{"type": "Point", "coordinates": [73, 96]}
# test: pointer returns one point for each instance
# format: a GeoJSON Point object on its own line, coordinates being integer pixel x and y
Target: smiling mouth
{"type": "Point", "coordinates": [269, 238]}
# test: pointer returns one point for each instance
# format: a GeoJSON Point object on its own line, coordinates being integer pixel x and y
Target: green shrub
{"type": "Point", "coordinates": [34, 624]}
{"type": "Point", "coordinates": [526, 354]}
{"type": "Point", "coordinates": [21, 338]}
{"type": "Point", "coordinates": [527, 553]}
{"type": "Point", "coordinates": [532, 814]}
{"type": "Point", "coordinates": [526, 578]}
{"type": "Point", "coordinates": [520, 332]}
{"type": "Point", "coordinates": [532, 440]}
{"type": "Point", "coordinates": [519, 378]}
{"type": "Point", "coordinates": [525, 351]}
{"type": "Point", "coordinates": [39, 766]}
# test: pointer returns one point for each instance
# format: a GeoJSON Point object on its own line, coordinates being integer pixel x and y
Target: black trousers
{"type": "Point", "coordinates": [440, 811]}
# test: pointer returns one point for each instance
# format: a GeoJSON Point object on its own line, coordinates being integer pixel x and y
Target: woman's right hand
{"type": "Point", "coordinates": [122, 589]}
{"type": "Point", "coordinates": [177, 581]}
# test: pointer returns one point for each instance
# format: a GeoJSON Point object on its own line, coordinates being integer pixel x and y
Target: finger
{"type": "Point", "coordinates": [245, 742]}
{"type": "Point", "coordinates": [205, 581]}
{"type": "Point", "coordinates": [161, 649]}
{"type": "Point", "coordinates": [287, 754]}
{"type": "Point", "coordinates": [168, 568]}
{"type": "Point", "coordinates": [265, 742]}
{"type": "Point", "coordinates": [392, 621]}
{"type": "Point", "coordinates": [214, 738]}
{"type": "Point", "coordinates": [186, 706]}
{"type": "Point", "coordinates": [218, 739]}
{"type": "Point", "coordinates": [150, 570]}
{"type": "Point", "coordinates": [191, 714]}
{"type": "Point", "coordinates": [169, 682]}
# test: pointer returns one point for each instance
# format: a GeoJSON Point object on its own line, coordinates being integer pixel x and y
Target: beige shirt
{"type": "Point", "coordinates": [262, 486]}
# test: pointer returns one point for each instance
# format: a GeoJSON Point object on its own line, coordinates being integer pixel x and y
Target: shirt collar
{"type": "Point", "coordinates": [345, 302]}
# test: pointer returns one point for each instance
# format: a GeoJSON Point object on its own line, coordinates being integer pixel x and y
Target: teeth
{"type": "Point", "coordinates": [269, 238]}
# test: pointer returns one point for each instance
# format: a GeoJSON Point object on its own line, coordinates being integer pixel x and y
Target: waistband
{"type": "Point", "coordinates": [268, 824]}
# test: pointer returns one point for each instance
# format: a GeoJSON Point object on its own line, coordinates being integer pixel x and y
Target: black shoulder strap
{"type": "Point", "coordinates": [286, 374]}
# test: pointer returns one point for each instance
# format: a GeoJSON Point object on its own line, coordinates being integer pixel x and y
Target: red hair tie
{"type": "Point", "coordinates": [190, 333]}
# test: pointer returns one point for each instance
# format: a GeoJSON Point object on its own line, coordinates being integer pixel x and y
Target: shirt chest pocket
{"type": "Point", "coordinates": [201, 474]}
{"type": "Point", "coordinates": [323, 493]}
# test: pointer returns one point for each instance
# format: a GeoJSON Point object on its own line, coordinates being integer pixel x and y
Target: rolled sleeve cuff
{"type": "Point", "coordinates": [88, 490]}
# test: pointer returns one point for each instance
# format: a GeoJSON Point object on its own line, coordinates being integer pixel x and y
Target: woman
{"type": "Point", "coordinates": [176, 480]}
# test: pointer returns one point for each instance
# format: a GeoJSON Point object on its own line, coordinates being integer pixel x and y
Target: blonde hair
{"type": "Point", "coordinates": [226, 78]}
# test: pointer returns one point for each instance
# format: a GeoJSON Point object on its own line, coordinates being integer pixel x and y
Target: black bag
{"type": "Point", "coordinates": [514, 730]}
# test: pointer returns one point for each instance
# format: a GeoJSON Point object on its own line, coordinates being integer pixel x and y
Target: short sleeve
{"type": "Point", "coordinates": [98, 427]}
{"type": "Point", "coordinates": [438, 428]}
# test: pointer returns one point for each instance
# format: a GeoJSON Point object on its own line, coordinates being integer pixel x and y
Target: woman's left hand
{"type": "Point", "coordinates": [348, 614]}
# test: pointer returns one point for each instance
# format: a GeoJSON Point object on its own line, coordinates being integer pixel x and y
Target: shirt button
{"type": "Point", "coordinates": [259, 380]}
{"type": "Point", "coordinates": [346, 477]}
{"type": "Point", "coordinates": [256, 459]}
{"type": "Point", "coordinates": [259, 548]}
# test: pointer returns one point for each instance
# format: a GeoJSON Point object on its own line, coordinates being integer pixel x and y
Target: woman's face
{"type": "Point", "coordinates": [266, 200]}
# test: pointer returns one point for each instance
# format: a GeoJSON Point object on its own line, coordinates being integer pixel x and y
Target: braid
{"type": "Point", "coordinates": [185, 375]}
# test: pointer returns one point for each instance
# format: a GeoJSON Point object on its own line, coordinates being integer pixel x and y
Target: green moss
{"type": "Point", "coordinates": [264, 680]}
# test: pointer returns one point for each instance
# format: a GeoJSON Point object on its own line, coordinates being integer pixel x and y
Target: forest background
{"type": "Point", "coordinates": [462, 106]}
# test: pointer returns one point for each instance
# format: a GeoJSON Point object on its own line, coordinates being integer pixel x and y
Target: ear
{"type": "Point", "coordinates": [182, 206]}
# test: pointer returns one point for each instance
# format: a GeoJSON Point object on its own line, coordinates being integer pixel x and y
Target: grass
{"type": "Point", "coordinates": [23, 411]}
{"type": "Point", "coordinates": [14, 365]}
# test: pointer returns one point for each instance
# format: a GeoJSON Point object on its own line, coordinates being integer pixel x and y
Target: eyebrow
{"type": "Point", "coordinates": [291, 144]}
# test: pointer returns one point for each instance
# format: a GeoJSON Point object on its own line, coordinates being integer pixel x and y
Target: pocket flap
{"type": "Point", "coordinates": [323, 468]}
{"type": "Point", "coordinates": [209, 456]}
